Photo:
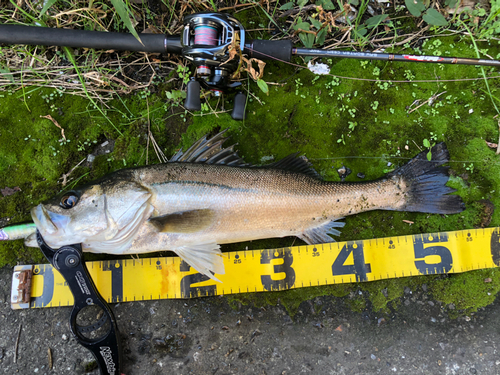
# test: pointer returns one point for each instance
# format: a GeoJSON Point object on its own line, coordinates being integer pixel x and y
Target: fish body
{"type": "Point", "coordinates": [209, 196]}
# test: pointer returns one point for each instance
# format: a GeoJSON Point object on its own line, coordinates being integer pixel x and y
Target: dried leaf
{"type": "Point", "coordinates": [491, 145]}
{"type": "Point", "coordinates": [8, 191]}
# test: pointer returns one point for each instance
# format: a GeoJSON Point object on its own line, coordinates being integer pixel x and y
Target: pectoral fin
{"type": "Point", "coordinates": [206, 258]}
{"type": "Point", "coordinates": [184, 222]}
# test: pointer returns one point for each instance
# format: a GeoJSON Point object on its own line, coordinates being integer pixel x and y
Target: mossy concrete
{"type": "Point", "coordinates": [363, 124]}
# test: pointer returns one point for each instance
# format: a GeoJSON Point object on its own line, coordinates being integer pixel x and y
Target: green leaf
{"type": "Point", "coordinates": [433, 17]}
{"type": "Point", "coordinates": [427, 143]}
{"type": "Point", "coordinates": [302, 25]}
{"type": "Point", "coordinates": [287, 6]}
{"type": "Point", "coordinates": [429, 156]}
{"type": "Point", "coordinates": [375, 20]}
{"type": "Point", "coordinates": [6, 73]}
{"type": "Point", "coordinates": [451, 3]}
{"type": "Point", "coordinates": [315, 23]}
{"type": "Point", "coordinates": [360, 31]}
{"type": "Point", "coordinates": [415, 7]}
{"type": "Point", "coordinates": [320, 37]}
{"type": "Point", "coordinates": [354, 2]}
{"type": "Point", "coordinates": [46, 7]}
{"type": "Point", "coordinates": [263, 86]}
{"type": "Point", "coordinates": [124, 12]}
{"type": "Point", "coordinates": [301, 3]}
{"type": "Point", "coordinates": [307, 39]}
{"type": "Point", "coordinates": [326, 4]}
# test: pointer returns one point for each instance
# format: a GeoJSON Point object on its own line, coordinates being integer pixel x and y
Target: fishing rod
{"type": "Point", "coordinates": [207, 41]}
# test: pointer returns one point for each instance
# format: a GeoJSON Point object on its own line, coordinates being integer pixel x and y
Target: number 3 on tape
{"type": "Point", "coordinates": [285, 267]}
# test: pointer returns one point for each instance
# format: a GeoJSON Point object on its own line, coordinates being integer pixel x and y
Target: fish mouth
{"type": "Point", "coordinates": [46, 220]}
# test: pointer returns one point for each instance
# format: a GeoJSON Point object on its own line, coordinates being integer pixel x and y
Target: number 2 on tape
{"type": "Point", "coordinates": [188, 291]}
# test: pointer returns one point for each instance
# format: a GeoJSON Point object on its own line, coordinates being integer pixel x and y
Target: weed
{"type": "Point", "coordinates": [469, 168]}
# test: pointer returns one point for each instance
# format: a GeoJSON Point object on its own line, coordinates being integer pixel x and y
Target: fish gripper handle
{"type": "Point", "coordinates": [102, 336]}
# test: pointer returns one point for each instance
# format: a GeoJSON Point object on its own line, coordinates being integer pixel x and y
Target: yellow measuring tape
{"type": "Point", "coordinates": [269, 270]}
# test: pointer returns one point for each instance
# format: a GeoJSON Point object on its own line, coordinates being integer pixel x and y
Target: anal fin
{"type": "Point", "coordinates": [205, 257]}
{"type": "Point", "coordinates": [320, 234]}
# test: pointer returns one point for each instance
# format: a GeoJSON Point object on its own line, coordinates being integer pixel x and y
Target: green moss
{"type": "Point", "coordinates": [90, 366]}
{"type": "Point", "coordinates": [289, 299]}
{"type": "Point", "coordinates": [465, 293]}
{"type": "Point", "coordinates": [34, 156]}
{"type": "Point", "coordinates": [363, 124]}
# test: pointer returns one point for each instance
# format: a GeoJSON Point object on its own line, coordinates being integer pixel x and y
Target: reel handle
{"type": "Point", "coordinates": [238, 112]}
{"type": "Point", "coordinates": [193, 101]}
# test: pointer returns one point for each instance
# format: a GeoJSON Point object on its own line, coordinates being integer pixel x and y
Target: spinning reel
{"type": "Point", "coordinates": [206, 41]}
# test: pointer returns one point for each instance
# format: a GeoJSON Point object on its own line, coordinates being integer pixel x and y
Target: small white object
{"type": "Point", "coordinates": [471, 110]}
{"type": "Point", "coordinates": [319, 68]}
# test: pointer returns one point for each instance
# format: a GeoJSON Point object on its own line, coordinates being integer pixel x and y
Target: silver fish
{"type": "Point", "coordinates": [208, 196]}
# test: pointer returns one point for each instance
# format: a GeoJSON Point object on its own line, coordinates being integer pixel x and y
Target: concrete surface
{"type": "Point", "coordinates": [207, 336]}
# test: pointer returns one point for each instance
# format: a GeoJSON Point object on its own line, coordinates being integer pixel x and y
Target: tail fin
{"type": "Point", "coordinates": [427, 183]}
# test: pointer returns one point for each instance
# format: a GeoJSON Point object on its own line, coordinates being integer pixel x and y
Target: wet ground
{"type": "Point", "coordinates": [207, 336]}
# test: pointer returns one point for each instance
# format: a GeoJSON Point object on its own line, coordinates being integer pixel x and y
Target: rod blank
{"type": "Point", "coordinates": [392, 57]}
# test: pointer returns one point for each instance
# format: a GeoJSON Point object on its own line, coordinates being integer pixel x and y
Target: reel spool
{"type": "Point", "coordinates": [206, 40]}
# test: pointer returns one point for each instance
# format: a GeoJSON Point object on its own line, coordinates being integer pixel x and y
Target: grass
{"type": "Point", "coordinates": [379, 115]}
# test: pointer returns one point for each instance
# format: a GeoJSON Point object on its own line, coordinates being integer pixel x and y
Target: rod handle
{"type": "Point", "coordinates": [269, 49]}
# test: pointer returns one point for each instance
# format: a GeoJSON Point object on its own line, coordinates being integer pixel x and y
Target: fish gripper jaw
{"type": "Point", "coordinates": [102, 336]}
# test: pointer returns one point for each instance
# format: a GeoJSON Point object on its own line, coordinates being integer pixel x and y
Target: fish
{"type": "Point", "coordinates": [208, 196]}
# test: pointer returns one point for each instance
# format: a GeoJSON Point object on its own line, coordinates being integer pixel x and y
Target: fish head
{"type": "Point", "coordinates": [94, 213]}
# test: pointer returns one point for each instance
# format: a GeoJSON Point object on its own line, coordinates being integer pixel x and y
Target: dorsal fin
{"type": "Point", "coordinates": [210, 151]}
{"type": "Point", "coordinates": [297, 164]}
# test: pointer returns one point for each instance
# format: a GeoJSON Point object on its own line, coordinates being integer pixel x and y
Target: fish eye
{"type": "Point", "coordinates": [69, 201]}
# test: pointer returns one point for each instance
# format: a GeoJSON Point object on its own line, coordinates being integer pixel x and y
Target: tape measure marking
{"type": "Point", "coordinates": [279, 269]}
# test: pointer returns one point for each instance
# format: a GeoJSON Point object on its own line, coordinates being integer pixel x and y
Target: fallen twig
{"type": "Point", "coordinates": [65, 176]}
{"type": "Point", "coordinates": [49, 117]}
{"type": "Point", "coordinates": [17, 342]}
{"type": "Point", "coordinates": [430, 101]}
{"type": "Point", "coordinates": [498, 146]}
{"type": "Point", "coordinates": [49, 353]}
